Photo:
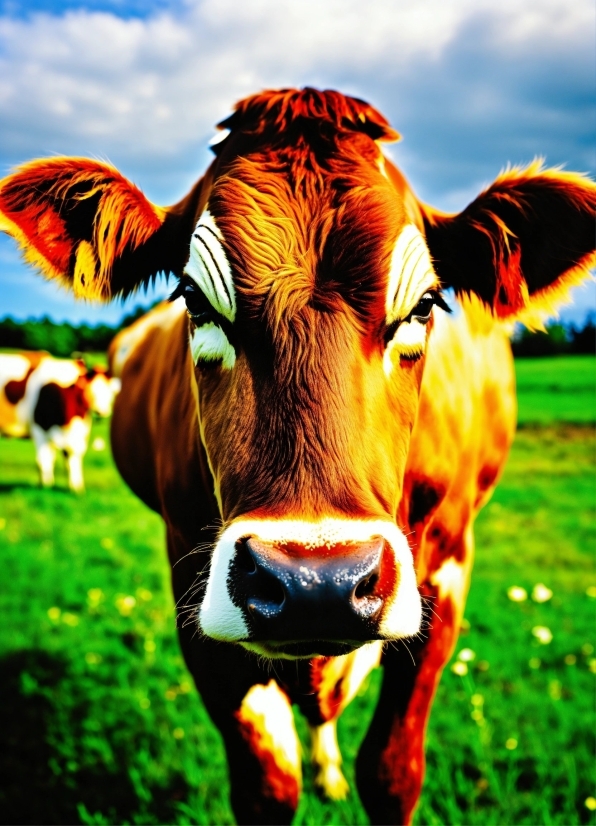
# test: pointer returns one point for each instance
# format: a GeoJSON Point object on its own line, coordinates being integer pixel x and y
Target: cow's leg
{"type": "Point", "coordinates": [390, 765]}
{"type": "Point", "coordinates": [335, 682]}
{"type": "Point", "coordinates": [265, 768]}
{"type": "Point", "coordinates": [326, 758]}
{"type": "Point", "coordinates": [74, 463]}
{"type": "Point", "coordinates": [254, 717]}
{"type": "Point", "coordinates": [75, 439]}
{"type": "Point", "coordinates": [45, 455]}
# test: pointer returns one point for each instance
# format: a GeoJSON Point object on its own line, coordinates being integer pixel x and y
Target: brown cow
{"type": "Point", "coordinates": [51, 400]}
{"type": "Point", "coordinates": [309, 412]}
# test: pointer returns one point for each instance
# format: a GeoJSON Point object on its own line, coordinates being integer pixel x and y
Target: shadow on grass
{"type": "Point", "coordinates": [62, 490]}
{"type": "Point", "coordinates": [37, 784]}
{"type": "Point", "coordinates": [7, 487]}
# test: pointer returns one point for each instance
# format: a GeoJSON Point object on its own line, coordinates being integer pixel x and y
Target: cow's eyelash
{"type": "Point", "coordinates": [198, 305]}
{"type": "Point", "coordinates": [176, 292]}
{"type": "Point", "coordinates": [435, 298]}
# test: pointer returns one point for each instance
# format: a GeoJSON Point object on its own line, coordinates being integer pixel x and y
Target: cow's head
{"type": "Point", "coordinates": [311, 275]}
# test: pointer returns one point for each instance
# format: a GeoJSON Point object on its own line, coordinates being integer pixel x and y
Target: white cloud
{"type": "Point", "coordinates": [93, 82]}
{"type": "Point", "coordinates": [471, 84]}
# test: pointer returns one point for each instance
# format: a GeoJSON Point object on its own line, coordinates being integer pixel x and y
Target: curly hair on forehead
{"type": "Point", "coordinates": [280, 111]}
{"type": "Point", "coordinates": [323, 247]}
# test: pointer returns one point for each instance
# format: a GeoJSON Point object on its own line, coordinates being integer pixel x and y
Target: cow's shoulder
{"type": "Point", "coordinates": [155, 435]}
{"type": "Point", "coordinates": [123, 345]}
{"type": "Point", "coordinates": [463, 431]}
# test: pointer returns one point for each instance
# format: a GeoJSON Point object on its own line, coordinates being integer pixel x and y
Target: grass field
{"type": "Point", "coordinates": [99, 722]}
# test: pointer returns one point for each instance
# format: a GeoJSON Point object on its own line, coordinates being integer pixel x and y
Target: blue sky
{"type": "Point", "coordinates": [470, 84]}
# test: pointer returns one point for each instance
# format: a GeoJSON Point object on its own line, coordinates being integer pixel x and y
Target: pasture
{"type": "Point", "coordinates": [99, 720]}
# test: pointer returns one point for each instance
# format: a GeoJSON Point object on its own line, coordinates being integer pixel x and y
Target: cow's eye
{"type": "Point", "coordinates": [409, 332]}
{"type": "Point", "coordinates": [422, 310]}
{"type": "Point", "coordinates": [198, 305]}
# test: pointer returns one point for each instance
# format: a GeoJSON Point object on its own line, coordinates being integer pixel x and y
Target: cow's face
{"type": "Point", "coordinates": [310, 294]}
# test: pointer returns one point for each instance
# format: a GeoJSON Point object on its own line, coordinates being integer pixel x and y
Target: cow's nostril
{"type": "Point", "coordinates": [366, 588]}
{"type": "Point", "coordinates": [244, 559]}
{"type": "Point", "coordinates": [268, 591]}
{"type": "Point", "coordinates": [256, 579]}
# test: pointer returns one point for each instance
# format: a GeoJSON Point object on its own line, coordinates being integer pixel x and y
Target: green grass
{"type": "Point", "coordinates": [99, 722]}
{"type": "Point", "coordinates": [561, 388]}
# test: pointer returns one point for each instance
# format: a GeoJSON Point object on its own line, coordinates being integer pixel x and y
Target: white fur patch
{"type": "Point", "coordinates": [209, 268]}
{"type": "Point", "coordinates": [221, 619]}
{"type": "Point", "coordinates": [101, 393]}
{"type": "Point", "coordinates": [364, 659]}
{"type": "Point", "coordinates": [63, 372]}
{"type": "Point", "coordinates": [451, 579]}
{"type": "Point", "coordinates": [411, 274]}
{"type": "Point", "coordinates": [219, 137]}
{"type": "Point", "coordinates": [409, 341]}
{"type": "Point", "coordinates": [13, 418]}
{"type": "Point", "coordinates": [13, 367]}
{"type": "Point", "coordinates": [210, 343]}
{"type": "Point", "coordinates": [268, 709]}
{"type": "Point", "coordinates": [326, 758]}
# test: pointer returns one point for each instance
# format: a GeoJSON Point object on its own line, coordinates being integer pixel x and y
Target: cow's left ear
{"type": "Point", "coordinates": [521, 244]}
{"type": "Point", "coordinates": [82, 223]}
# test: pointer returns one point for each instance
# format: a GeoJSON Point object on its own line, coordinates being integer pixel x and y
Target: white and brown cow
{"type": "Point", "coordinates": [51, 401]}
{"type": "Point", "coordinates": [309, 394]}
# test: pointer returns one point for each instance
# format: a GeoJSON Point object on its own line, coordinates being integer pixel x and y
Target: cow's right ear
{"type": "Point", "coordinates": [520, 245]}
{"type": "Point", "coordinates": [82, 223]}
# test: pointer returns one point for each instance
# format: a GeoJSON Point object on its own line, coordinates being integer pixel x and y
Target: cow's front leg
{"type": "Point", "coordinates": [45, 455]}
{"type": "Point", "coordinates": [254, 717]}
{"type": "Point", "coordinates": [74, 463]}
{"type": "Point", "coordinates": [326, 759]}
{"type": "Point", "coordinates": [264, 757]}
{"type": "Point", "coordinates": [390, 765]}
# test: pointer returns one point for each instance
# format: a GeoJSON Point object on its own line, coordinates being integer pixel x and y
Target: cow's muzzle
{"type": "Point", "coordinates": [294, 588]}
{"type": "Point", "coordinates": [325, 594]}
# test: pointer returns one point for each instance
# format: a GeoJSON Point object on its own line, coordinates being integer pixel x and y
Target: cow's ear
{"type": "Point", "coordinates": [521, 244]}
{"type": "Point", "coordinates": [82, 223]}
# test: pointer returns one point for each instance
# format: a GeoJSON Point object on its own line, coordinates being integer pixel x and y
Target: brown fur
{"type": "Point", "coordinates": [306, 424]}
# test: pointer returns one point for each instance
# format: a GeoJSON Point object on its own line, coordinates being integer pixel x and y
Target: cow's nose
{"type": "Point", "coordinates": [292, 593]}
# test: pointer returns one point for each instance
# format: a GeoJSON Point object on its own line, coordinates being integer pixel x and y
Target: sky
{"type": "Point", "coordinates": [471, 85]}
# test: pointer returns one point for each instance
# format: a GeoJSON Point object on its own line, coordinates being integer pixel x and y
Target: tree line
{"type": "Point", "coordinates": [64, 339]}
{"type": "Point", "coordinates": [556, 339]}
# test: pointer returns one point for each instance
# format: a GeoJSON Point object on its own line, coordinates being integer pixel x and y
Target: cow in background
{"type": "Point", "coordinates": [51, 401]}
{"type": "Point", "coordinates": [309, 393]}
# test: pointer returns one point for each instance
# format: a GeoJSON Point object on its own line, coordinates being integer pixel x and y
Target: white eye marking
{"type": "Point", "coordinates": [409, 341]}
{"type": "Point", "coordinates": [210, 343]}
{"type": "Point", "coordinates": [209, 267]}
{"type": "Point", "coordinates": [411, 273]}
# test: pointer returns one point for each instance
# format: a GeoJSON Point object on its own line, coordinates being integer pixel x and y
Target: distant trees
{"type": "Point", "coordinates": [61, 339]}
{"type": "Point", "coordinates": [556, 339]}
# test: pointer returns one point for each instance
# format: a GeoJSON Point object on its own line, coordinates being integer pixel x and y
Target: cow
{"type": "Point", "coordinates": [51, 401]}
{"type": "Point", "coordinates": [316, 428]}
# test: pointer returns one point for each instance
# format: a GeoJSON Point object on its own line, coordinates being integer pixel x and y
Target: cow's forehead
{"type": "Point", "coordinates": [317, 225]}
